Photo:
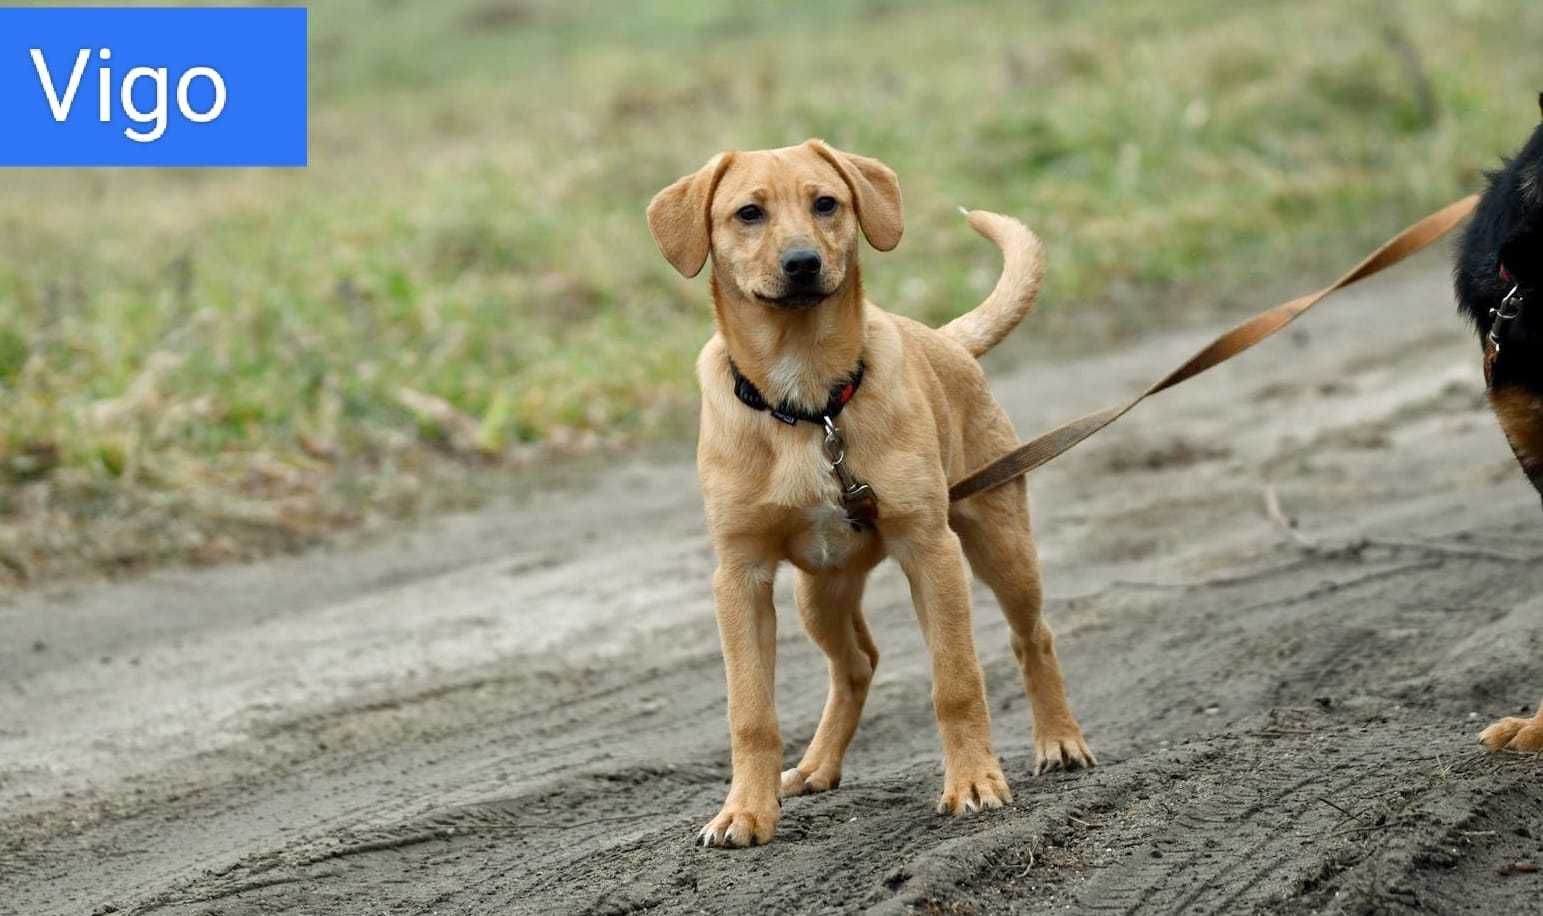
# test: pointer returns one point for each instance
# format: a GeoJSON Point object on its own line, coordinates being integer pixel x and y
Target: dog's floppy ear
{"type": "Point", "coordinates": [679, 216]}
{"type": "Point", "coordinates": [876, 191]}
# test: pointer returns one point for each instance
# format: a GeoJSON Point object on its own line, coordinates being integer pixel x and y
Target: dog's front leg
{"type": "Point", "coordinates": [933, 562]}
{"type": "Point", "coordinates": [747, 625]}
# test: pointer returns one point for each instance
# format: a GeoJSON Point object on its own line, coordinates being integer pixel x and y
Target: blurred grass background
{"type": "Point", "coordinates": [203, 365]}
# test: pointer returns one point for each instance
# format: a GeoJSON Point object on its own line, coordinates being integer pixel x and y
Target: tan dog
{"type": "Point", "coordinates": [797, 342]}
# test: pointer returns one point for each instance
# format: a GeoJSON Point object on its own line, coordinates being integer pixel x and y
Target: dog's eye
{"type": "Point", "coordinates": [825, 206]}
{"type": "Point", "coordinates": [749, 213]}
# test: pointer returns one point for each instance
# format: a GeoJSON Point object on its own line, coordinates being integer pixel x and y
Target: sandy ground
{"type": "Point", "coordinates": [522, 710]}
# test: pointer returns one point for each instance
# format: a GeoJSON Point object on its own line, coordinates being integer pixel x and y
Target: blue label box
{"type": "Point", "coordinates": [157, 86]}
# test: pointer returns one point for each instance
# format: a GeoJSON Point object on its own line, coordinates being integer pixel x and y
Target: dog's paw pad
{"type": "Point", "coordinates": [795, 783]}
{"type": "Point", "coordinates": [1070, 752]}
{"type": "Point", "coordinates": [737, 826]}
{"type": "Point", "coordinates": [978, 792]}
{"type": "Point", "coordinates": [1514, 734]}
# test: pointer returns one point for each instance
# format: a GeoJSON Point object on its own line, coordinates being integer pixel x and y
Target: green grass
{"type": "Point", "coordinates": [192, 347]}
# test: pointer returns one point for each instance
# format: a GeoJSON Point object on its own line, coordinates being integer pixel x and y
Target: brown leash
{"type": "Point", "coordinates": [1063, 438]}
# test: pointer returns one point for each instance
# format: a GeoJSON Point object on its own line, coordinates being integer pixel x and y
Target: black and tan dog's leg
{"type": "Point", "coordinates": [1001, 551]}
{"type": "Point", "coordinates": [747, 625]}
{"type": "Point", "coordinates": [933, 562]}
{"type": "Point", "coordinates": [831, 607]}
{"type": "Point", "coordinates": [1520, 413]}
{"type": "Point", "coordinates": [1515, 734]}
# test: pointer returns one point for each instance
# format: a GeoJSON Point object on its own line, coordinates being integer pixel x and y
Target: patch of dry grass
{"type": "Point", "coordinates": [198, 358]}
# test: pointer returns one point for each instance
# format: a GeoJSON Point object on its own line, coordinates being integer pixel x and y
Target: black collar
{"type": "Point", "coordinates": [840, 394]}
{"type": "Point", "coordinates": [1509, 309]}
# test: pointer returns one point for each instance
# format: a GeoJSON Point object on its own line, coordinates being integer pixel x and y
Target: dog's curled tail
{"type": "Point", "coordinates": [1023, 269]}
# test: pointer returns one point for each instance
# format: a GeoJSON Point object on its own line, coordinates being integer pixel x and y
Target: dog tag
{"type": "Point", "coordinates": [861, 505]}
{"type": "Point", "coordinates": [858, 500]}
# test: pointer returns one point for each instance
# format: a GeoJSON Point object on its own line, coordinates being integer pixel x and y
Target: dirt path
{"type": "Point", "coordinates": [522, 710]}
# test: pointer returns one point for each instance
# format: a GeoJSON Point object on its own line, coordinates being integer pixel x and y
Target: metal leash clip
{"type": "Point", "coordinates": [1510, 308]}
{"type": "Point", "coordinates": [857, 498]}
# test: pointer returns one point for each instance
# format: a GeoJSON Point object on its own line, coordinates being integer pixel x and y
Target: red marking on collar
{"type": "Point", "coordinates": [1505, 275]}
{"type": "Point", "coordinates": [847, 392]}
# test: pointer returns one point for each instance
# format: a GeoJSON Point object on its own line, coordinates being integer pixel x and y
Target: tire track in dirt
{"type": "Point", "coordinates": [1244, 810]}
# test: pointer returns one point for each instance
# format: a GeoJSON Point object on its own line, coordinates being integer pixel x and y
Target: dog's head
{"type": "Point", "coordinates": [781, 225]}
{"type": "Point", "coordinates": [1521, 251]}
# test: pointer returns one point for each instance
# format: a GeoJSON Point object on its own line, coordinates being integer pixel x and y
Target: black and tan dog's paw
{"type": "Point", "coordinates": [1515, 734]}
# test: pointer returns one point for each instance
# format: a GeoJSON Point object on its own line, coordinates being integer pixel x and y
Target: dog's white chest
{"type": "Point", "coordinates": [823, 538]}
{"type": "Point", "coordinates": [827, 539]}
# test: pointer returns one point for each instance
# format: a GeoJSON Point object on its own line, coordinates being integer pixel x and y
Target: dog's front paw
{"type": "Point", "coordinates": [794, 782]}
{"type": "Point", "coordinates": [1513, 734]}
{"type": "Point", "coordinates": [974, 790]}
{"type": "Point", "coordinates": [1062, 752]}
{"type": "Point", "coordinates": [741, 825]}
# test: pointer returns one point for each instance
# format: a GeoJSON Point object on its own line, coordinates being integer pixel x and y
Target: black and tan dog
{"type": "Point", "coordinates": [831, 430]}
{"type": "Point", "coordinates": [1499, 280]}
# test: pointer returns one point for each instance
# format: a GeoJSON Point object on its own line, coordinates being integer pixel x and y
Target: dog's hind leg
{"type": "Point", "coordinates": [830, 605]}
{"type": "Point", "coordinates": [1000, 548]}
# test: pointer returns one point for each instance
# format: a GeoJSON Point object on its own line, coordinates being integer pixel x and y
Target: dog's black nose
{"type": "Point", "coordinates": [801, 264]}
